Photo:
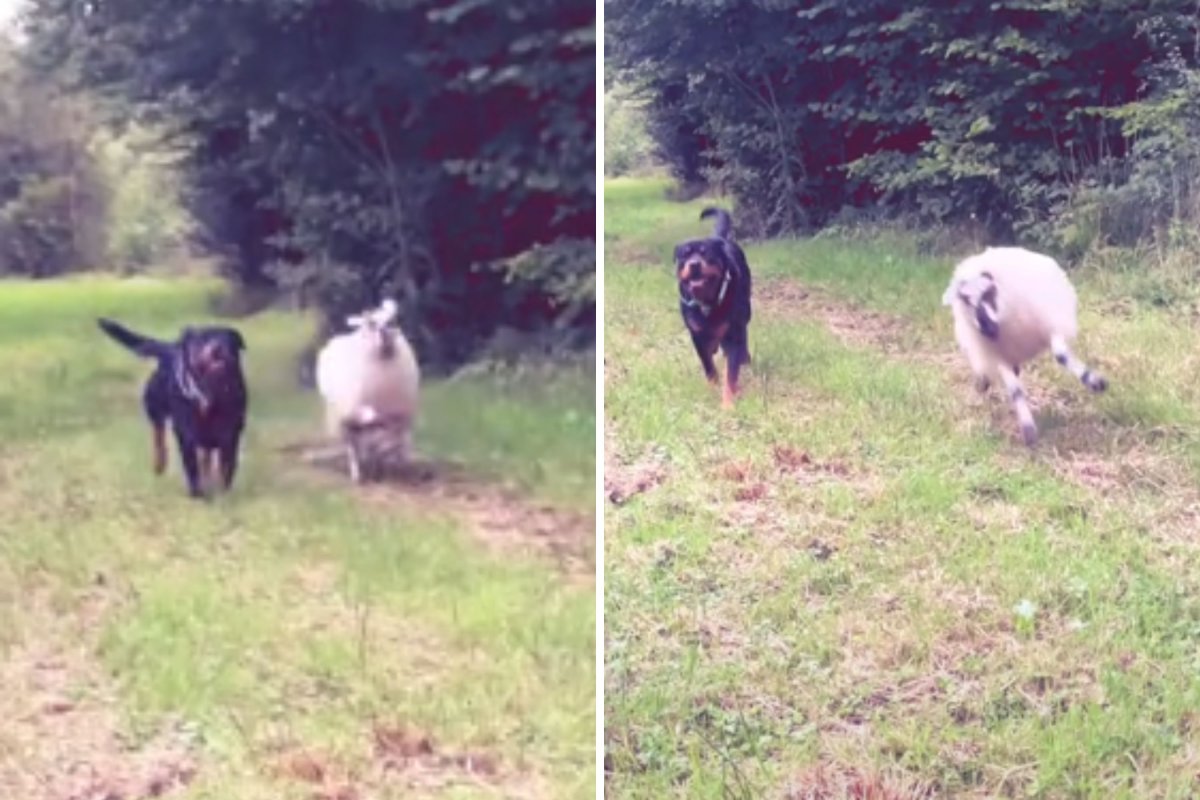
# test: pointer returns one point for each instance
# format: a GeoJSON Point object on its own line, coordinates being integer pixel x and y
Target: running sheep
{"type": "Point", "coordinates": [369, 379]}
{"type": "Point", "coordinates": [1010, 305]}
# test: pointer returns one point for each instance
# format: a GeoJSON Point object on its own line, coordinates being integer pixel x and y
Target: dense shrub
{"type": "Point", "coordinates": [1054, 120]}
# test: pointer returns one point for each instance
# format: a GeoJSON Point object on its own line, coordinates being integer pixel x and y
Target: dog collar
{"type": "Point", "coordinates": [187, 384]}
{"type": "Point", "coordinates": [692, 302]}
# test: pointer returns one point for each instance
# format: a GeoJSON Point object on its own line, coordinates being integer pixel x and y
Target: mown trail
{"type": "Point", "coordinates": [860, 578]}
{"type": "Point", "coordinates": [296, 638]}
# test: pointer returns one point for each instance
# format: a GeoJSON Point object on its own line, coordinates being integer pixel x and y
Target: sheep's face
{"type": "Point", "coordinates": [700, 268]}
{"type": "Point", "coordinates": [382, 340]}
{"type": "Point", "coordinates": [376, 327]}
{"type": "Point", "coordinates": [979, 293]}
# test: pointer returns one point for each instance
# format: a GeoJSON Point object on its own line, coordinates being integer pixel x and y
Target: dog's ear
{"type": "Point", "coordinates": [679, 251]}
{"type": "Point", "coordinates": [236, 336]}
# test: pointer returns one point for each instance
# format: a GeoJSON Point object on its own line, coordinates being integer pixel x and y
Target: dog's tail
{"type": "Point", "coordinates": [724, 221]}
{"type": "Point", "coordinates": [144, 346]}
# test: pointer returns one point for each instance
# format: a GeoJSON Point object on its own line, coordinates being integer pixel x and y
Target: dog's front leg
{"type": "Point", "coordinates": [705, 350]}
{"type": "Point", "coordinates": [229, 460]}
{"type": "Point", "coordinates": [191, 466]}
{"type": "Point", "coordinates": [737, 353]}
{"type": "Point", "coordinates": [160, 447]}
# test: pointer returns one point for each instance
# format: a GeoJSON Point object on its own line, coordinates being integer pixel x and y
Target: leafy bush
{"type": "Point", "coordinates": [147, 225]}
{"type": "Point", "coordinates": [1054, 121]}
{"type": "Point", "coordinates": [628, 148]}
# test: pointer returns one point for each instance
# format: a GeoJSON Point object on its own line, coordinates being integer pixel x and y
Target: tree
{"type": "Point", "coordinates": [1003, 111]}
{"type": "Point", "coordinates": [368, 147]}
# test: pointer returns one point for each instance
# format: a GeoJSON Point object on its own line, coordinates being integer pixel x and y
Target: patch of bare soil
{"type": "Point", "coordinates": [61, 737]}
{"type": "Point", "coordinates": [837, 782]}
{"type": "Point", "coordinates": [759, 506]}
{"type": "Point", "coordinates": [624, 481]}
{"type": "Point", "coordinates": [497, 516]}
{"type": "Point", "coordinates": [404, 758]}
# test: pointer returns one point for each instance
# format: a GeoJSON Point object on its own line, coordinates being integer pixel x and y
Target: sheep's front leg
{"type": "Point", "coordinates": [352, 459]}
{"type": "Point", "coordinates": [1063, 355]}
{"type": "Point", "coordinates": [405, 437]}
{"type": "Point", "coordinates": [980, 363]}
{"type": "Point", "coordinates": [1020, 404]}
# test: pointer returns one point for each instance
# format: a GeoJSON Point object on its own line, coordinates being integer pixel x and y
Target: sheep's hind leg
{"type": "Point", "coordinates": [1063, 355]}
{"type": "Point", "coordinates": [1020, 404]}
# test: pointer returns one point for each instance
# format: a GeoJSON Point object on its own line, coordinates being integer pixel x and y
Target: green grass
{"type": "Point", "coordinates": [288, 615]}
{"type": "Point", "coordinates": [859, 578]}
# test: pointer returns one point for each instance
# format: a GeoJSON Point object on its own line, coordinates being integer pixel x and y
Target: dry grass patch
{"type": "Point", "coordinates": [829, 781]}
{"type": "Point", "coordinates": [398, 760]}
{"type": "Point", "coordinates": [64, 736]}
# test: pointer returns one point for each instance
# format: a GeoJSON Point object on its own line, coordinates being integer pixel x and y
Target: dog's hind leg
{"type": "Point", "coordinates": [155, 406]}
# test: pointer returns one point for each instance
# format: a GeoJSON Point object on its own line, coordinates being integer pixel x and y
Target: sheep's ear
{"type": "Point", "coordinates": [949, 295]}
{"type": "Point", "coordinates": [987, 312]}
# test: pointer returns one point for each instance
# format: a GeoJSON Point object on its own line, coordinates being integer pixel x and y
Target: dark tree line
{"type": "Point", "coordinates": [439, 152]}
{"type": "Point", "coordinates": [1057, 120]}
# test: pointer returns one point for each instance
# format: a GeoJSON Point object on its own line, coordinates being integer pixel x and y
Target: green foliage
{"type": "Point", "coordinates": [628, 148]}
{"type": "Point", "coordinates": [53, 200]}
{"type": "Point", "coordinates": [1008, 112]}
{"type": "Point", "coordinates": [406, 141]}
{"type": "Point", "coordinates": [147, 223]}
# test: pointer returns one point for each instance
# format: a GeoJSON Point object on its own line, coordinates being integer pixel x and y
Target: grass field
{"type": "Point", "coordinates": [859, 580]}
{"type": "Point", "coordinates": [296, 638]}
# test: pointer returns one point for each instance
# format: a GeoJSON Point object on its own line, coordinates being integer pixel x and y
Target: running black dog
{"type": "Point", "coordinates": [714, 298]}
{"type": "Point", "coordinates": [198, 385]}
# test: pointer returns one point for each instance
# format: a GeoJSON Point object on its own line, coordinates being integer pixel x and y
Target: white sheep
{"type": "Point", "coordinates": [369, 379]}
{"type": "Point", "coordinates": [1010, 305]}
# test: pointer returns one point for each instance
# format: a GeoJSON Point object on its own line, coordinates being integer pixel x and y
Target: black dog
{"type": "Point", "coordinates": [198, 385]}
{"type": "Point", "coordinates": [714, 298]}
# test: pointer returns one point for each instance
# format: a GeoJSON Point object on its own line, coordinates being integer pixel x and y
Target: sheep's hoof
{"type": "Point", "coordinates": [982, 384]}
{"type": "Point", "coordinates": [1029, 434]}
{"type": "Point", "coordinates": [1097, 383]}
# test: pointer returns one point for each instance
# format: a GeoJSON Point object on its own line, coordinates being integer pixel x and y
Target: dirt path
{"type": "Point", "coordinates": [499, 517]}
